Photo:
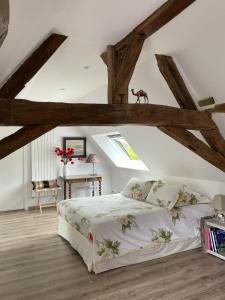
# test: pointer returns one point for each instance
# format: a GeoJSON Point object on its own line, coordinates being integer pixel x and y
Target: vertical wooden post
{"type": "Point", "coordinates": [111, 65]}
{"type": "Point", "coordinates": [121, 65]}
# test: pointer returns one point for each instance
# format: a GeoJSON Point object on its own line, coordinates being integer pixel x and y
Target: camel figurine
{"type": "Point", "coordinates": [140, 94]}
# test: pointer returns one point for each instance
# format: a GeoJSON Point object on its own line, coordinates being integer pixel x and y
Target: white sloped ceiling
{"type": "Point", "coordinates": [195, 39]}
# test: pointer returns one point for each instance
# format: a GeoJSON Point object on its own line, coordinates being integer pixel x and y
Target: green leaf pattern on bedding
{"type": "Point", "coordinates": [161, 203]}
{"type": "Point", "coordinates": [128, 222]}
{"type": "Point", "coordinates": [185, 198]}
{"type": "Point", "coordinates": [157, 185]}
{"type": "Point", "coordinates": [108, 248]}
{"type": "Point", "coordinates": [77, 226]}
{"type": "Point", "coordinates": [161, 235]}
{"type": "Point", "coordinates": [176, 214]}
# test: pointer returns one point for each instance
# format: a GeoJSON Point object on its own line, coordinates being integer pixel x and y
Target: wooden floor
{"type": "Point", "coordinates": [35, 263]}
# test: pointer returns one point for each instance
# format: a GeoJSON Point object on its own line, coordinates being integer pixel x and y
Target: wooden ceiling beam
{"type": "Point", "coordinates": [175, 81]}
{"type": "Point", "coordinates": [31, 66]}
{"type": "Point", "coordinates": [121, 66]}
{"type": "Point", "coordinates": [178, 87]}
{"type": "Point", "coordinates": [21, 138]}
{"type": "Point", "coordinates": [206, 102]}
{"type": "Point", "coordinates": [190, 141]}
{"type": "Point", "coordinates": [155, 21]}
{"type": "Point", "coordinates": [17, 82]}
{"type": "Point", "coordinates": [111, 67]}
{"type": "Point", "coordinates": [128, 63]}
{"type": "Point", "coordinates": [219, 108]}
{"type": "Point", "coordinates": [25, 112]}
{"type": "Point", "coordinates": [121, 58]}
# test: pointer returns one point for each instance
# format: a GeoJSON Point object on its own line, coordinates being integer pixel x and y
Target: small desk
{"type": "Point", "coordinates": [82, 178]}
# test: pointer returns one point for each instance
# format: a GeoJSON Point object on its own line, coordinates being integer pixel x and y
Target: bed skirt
{"type": "Point", "coordinates": [85, 249]}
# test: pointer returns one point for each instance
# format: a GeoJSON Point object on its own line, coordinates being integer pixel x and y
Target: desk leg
{"type": "Point", "coordinates": [70, 193]}
{"type": "Point", "coordinates": [39, 202]}
{"type": "Point", "coordinates": [56, 200]}
{"type": "Point", "coordinates": [100, 187]}
{"type": "Point", "coordinates": [64, 190]}
{"type": "Point", "coordinates": [93, 188]}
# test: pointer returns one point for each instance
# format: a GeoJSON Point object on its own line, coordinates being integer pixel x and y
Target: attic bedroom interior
{"type": "Point", "coordinates": [112, 149]}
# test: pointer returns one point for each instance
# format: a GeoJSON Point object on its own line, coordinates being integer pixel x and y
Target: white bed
{"type": "Point", "coordinates": [113, 231]}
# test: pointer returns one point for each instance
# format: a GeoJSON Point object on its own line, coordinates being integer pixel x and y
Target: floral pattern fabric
{"type": "Point", "coordinates": [137, 189]}
{"type": "Point", "coordinates": [116, 225]}
{"type": "Point", "coordinates": [174, 195]}
{"type": "Point", "coordinates": [164, 194]}
{"type": "Point", "coordinates": [187, 196]}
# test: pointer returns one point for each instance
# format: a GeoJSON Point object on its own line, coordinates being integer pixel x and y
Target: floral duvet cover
{"type": "Point", "coordinates": [116, 225]}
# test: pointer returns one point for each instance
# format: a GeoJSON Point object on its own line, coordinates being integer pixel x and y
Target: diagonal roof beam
{"type": "Point", "coordinates": [177, 85]}
{"type": "Point", "coordinates": [31, 66]}
{"type": "Point", "coordinates": [121, 58]}
{"type": "Point", "coordinates": [154, 22]}
{"type": "Point", "coordinates": [190, 141]}
{"type": "Point", "coordinates": [17, 82]}
{"type": "Point", "coordinates": [22, 137]}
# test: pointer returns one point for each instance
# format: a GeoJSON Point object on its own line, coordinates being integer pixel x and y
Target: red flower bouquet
{"type": "Point", "coordinates": [66, 155]}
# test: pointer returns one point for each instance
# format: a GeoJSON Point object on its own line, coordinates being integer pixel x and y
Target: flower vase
{"type": "Point", "coordinates": [65, 171]}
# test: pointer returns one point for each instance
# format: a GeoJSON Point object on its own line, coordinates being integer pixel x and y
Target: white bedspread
{"type": "Point", "coordinates": [116, 225]}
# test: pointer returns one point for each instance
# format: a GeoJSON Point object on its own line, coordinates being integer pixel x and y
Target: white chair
{"type": "Point", "coordinates": [42, 188]}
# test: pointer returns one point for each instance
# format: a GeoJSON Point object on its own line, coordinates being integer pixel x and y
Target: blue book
{"type": "Point", "coordinates": [216, 238]}
{"type": "Point", "coordinates": [220, 237]}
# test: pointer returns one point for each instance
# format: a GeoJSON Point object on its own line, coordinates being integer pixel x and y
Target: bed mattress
{"type": "Point", "coordinates": [115, 227]}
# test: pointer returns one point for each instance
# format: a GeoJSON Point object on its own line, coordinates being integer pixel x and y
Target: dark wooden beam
{"type": "Point", "coordinates": [206, 102]}
{"type": "Point", "coordinates": [4, 19]}
{"type": "Point", "coordinates": [177, 85]}
{"type": "Point", "coordinates": [21, 138]}
{"type": "Point", "coordinates": [24, 112]}
{"type": "Point", "coordinates": [190, 141]}
{"type": "Point", "coordinates": [16, 83]}
{"type": "Point", "coordinates": [111, 65]}
{"type": "Point", "coordinates": [219, 108]}
{"type": "Point", "coordinates": [121, 66]}
{"type": "Point", "coordinates": [31, 66]}
{"type": "Point", "coordinates": [154, 22]}
{"type": "Point", "coordinates": [121, 59]}
{"type": "Point", "coordinates": [128, 63]}
{"type": "Point", "coordinates": [175, 81]}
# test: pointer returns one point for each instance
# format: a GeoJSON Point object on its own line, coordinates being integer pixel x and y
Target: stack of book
{"type": "Point", "coordinates": [215, 238]}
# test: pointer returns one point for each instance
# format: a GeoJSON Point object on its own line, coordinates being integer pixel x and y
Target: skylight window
{"type": "Point", "coordinates": [122, 145]}
{"type": "Point", "coordinates": [119, 151]}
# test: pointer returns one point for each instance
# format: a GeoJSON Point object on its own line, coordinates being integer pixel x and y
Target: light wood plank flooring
{"type": "Point", "coordinates": [36, 264]}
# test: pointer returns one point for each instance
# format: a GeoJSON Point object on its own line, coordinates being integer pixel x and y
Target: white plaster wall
{"type": "Point", "coordinates": [121, 176]}
{"type": "Point", "coordinates": [102, 168]}
{"type": "Point", "coordinates": [78, 190]}
{"type": "Point", "coordinates": [11, 178]}
{"type": "Point", "coordinates": [15, 172]}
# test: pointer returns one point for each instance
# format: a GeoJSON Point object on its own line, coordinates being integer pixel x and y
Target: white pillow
{"type": "Point", "coordinates": [137, 189]}
{"type": "Point", "coordinates": [191, 197]}
{"type": "Point", "coordinates": [164, 194]}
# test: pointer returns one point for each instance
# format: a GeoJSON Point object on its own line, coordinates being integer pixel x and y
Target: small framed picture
{"type": "Point", "coordinates": [78, 143]}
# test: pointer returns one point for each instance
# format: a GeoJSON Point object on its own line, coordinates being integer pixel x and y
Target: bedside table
{"type": "Point", "coordinates": [210, 229]}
